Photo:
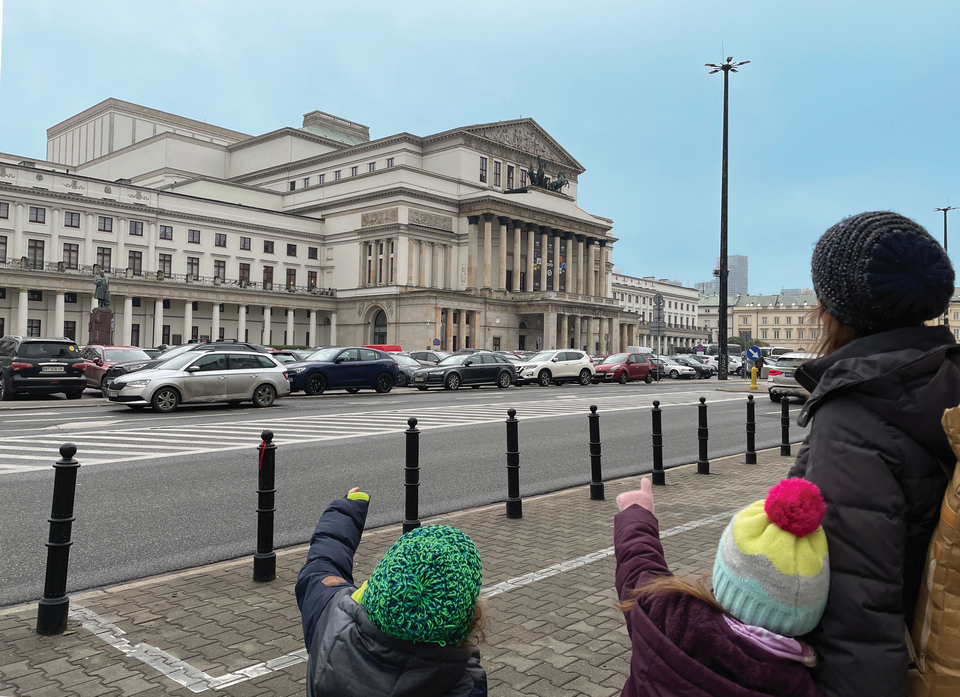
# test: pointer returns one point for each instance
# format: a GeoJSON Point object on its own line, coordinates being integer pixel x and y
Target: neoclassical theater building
{"type": "Point", "coordinates": [305, 236]}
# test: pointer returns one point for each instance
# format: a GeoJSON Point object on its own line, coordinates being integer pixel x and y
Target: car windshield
{"type": "Point", "coordinates": [455, 359]}
{"type": "Point", "coordinates": [617, 358]}
{"type": "Point", "coordinates": [120, 355]}
{"type": "Point", "coordinates": [327, 354]}
{"type": "Point", "coordinates": [41, 349]}
{"type": "Point", "coordinates": [175, 351]}
{"type": "Point", "coordinates": [542, 357]}
{"type": "Point", "coordinates": [177, 362]}
{"type": "Point", "coordinates": [406, 360]}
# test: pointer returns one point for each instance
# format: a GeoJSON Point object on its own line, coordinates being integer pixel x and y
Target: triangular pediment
{"type": "Point", "coordinates": [528, 137]}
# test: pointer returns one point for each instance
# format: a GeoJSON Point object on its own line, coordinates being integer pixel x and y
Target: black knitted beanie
{"type": "Point", "coordinates": [878, 271]}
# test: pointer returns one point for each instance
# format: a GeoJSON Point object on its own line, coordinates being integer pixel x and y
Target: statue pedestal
{"type": "Point", "coordinates": [101, 326]}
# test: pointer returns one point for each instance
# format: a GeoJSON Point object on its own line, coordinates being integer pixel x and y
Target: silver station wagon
{"type": "Point", "coordinates": [208, 376]}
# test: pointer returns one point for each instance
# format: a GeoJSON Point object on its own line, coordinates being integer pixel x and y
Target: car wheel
{"type": "Point", "coordinates": [544, 378]}
{"type": "Point", "coordinates": [264, 396]}
{"type": "Point", "coordinates": [103, 386]}
{"type": "Point", "coordinates": [649, 378]}
{"type": "Point", "coordinates": [452, 382]}
{"type": "Point", "coordinates": [165, 400]}
{"type": "Point", "coordinates": [624, 378]}
{"type": "Point", "coordinates": [674, 374]}
{"type": "Point", "coordinates": [315, 385]}
{"type": "Point", "coordinates": [422, 389]}
{"type": "Point", "coordinates": [584, 377]}
{"type": "Point", "coordinates": [774, 397]}
{"type": "Point", "coordinates": [503, 380]}
{"type": "Point", "coordinates": [74, 394]}
{"type": "Point", "coordinates": [4, 392]}
{"type": "Point", "coordinates": [384, 383]}
{"type": "Point", "coordinates": [353, 390]}
{"type": "Point", "coordinates": [402, 380]}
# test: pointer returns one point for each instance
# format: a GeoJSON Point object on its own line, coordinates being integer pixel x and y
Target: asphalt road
{"type": "Point", "coordinates": [158, 493]}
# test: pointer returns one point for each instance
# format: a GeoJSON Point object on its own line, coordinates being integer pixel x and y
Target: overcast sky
{"type": "Point", "coordinates": [845, 107]}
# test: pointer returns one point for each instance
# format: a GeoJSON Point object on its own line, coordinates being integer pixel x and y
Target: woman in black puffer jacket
{"type": "Point", "coordinates": [876, 448]}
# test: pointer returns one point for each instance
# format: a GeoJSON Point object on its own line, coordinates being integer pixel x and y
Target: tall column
{"type": "Point", "coordinates": [462, 329]}
{"type": "Point", "coordinates": [333, 328]}
{"type": "Point", "coordinates": [564, 332]}
{"type": "Point", "coordinates": [265, 339]}
{"type": "Point", "coordinates": [602, 290]}
{"type": "Point", "coordinates": [421, 266]}
{"type": "Point", "coordinates": [158, 322]}
{"type": "Point", "coordinates": [57, 328]}
{"type": "Point", "coordinates": [589, 290]}
{"type": "Point", "coordinates": [447, 267]}
{"type": "Point", "coordinates": [393, 258]}
{"type": "Point", "coordinates": [472, 260]}
{"type": "Point", "coordinates": [549, 330]}
{"type": "Point", "coordinates": [187, 321]}
{"type": "Point", "coordinates": [557, 244]}
{"type": "Point", "coordinates": [581, 264]}
{"type": "Point", "coordinates": [615, 336]}
{"type": "Point", "coordinates": [434, 265]}
{"type": "Point", "coordinates": [591, 335]}
{"type": "Point", "coordinates": [127, 320]}
{"type": "Point", "coordinates": [577, 332]}
{"type": "Point", "coordinates": [544, 247]}
{"type": "Point", "coordinates": [487, 248]}
{"type": "Point", "coordinates": [291, 327]}
{"type": "Point", "coordinates": [242, 323]}
{"type": "Point", "coordinates": [448, 338]}
{"type": "Point", "coordinates": [313, 341]}
{"type": "Point", "coordinates": [215, 321]}
{"type": "Point", "coordinates": [83, 327]}
{"type": "Point", "coordinates": [515, 286]}
{"type": "Point", "coordinates": [531, 234]}
{"type": "Point", "coordinates": [502, 239]}
{"type": "Point", "coordinates": [601, 331]}
{"type": "Point", "coordinates": [22, 305]}
{"type": "Point", "coordinates": [438, 328]}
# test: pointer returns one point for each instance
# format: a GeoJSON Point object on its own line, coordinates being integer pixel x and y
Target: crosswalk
{"type": "Point", "coordinates": [105, 441]}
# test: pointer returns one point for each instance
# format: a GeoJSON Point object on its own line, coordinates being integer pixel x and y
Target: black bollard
{"type": "Point", "coordinates": [411, 471]}
{"type": "Point", "coordinates": [596, 473]}
{"type": "Point", "coordinates": [265, 560]}
{"type": "Point", "coordinates": [751, 454]}
{"type": "Point", "coordinates": [514, 503]}
{"type": "Point", "coordinates": [659, 476]}
{"type": "Point", "coordinates": [55, 605]}
{"type": "Point", "coordinates": [784, 426]}
{"type": "Point", "coordinates": [703, 464]}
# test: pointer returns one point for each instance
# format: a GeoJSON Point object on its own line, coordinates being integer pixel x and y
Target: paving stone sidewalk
{"type": "Point", "coordinates": [548, 577]}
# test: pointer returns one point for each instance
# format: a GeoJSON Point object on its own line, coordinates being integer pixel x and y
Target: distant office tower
{"type": "Point", "coordinates": [736, 278]}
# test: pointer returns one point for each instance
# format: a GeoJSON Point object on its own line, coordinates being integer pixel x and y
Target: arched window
{"type": "Point", "coordinates": [380, 328]}
{"type": "Point", "coordinates": [523, 325]}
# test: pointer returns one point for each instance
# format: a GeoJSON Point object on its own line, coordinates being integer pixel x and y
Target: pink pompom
{"type": "Point", "coordinates": [795, 505]}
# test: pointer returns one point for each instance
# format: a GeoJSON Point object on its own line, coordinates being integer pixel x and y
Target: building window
{"type": "Point", "coordinates": [135, 334]}
{"type": "Point", "coordinates": [194, 306]}
{"type": "Point", "coordinates": [136, 228]}
{"type": "Point", "coordinates": [353, 171]}
{"type": "Point", "coordinates": [389, 162]}
{"type": "Point", "coordinates": [496, 343]}
{"type": "Point", "coordinates": [70, 298]}
{"type": "Point", "coordinates": [763, 333]}
{"type": "Point", "coordinates": [193, 266]}
{"type": "Point", "coordinates": [166, 232]}
{"type": "Point", "coordinates": [380, 328]}
{"type": "Point", "coordinates": [483, 170]}
{"type": "Point", "coordinates": [744, 320]}
{"type": "Point", "coordinates": [193, 236]}
{"type": "Point", "coordinates": [789, 321]}
{"type": "Point", "coordinates": [104, 224]}
{"type": "Point", "coordinates": [245, 243]}
{"type": "Point", "coordinates": [135, 262]}
{"type": "Point", "coordinates": [789, 333]}
{"type": "Point", "coordinates": [3, 249]}
{"type": "Point", "coordinates": [135, 302]}
{"type": "Point", "coordinates": [306, 182]}
{"type": "Point", "coordinates": [33, 327]}
{"type": "Point", "coordinates": [336, 175]}
{"type": "Point", "coordinates": [38, 215]}
{"type": "Point", "coordinates": [321, 179]}
{"type": "Point", "coordinates": [291, 250]}
{"type": "Point", "coordinates": [104, 257]}
{"type": "Point", "coordinates": [813, 334]}
{"type": "Point", "coordinates": [219, 240]}
{"type": "Point", "coordinates": [70, 329]}
{"type": "Point", "coordinates": [496, 173]}
{"type": "Point", "coordinates": [372, 167]}
{"type": "Point", "coordinates": [763, 320]}
{"type": "Point", "coordinates": [71, 219]}
{"type": "Point", "coordinates": [4, 210]}
{"type": "Point", "coordinates": [523, 177]}
{"type": "Point", "coordinates": [776, 333]}
{"type": "Point", "coordinates": [220, 269]}
{"type": "Point", "coordinates": [245, 273]}
{"type": "Point", "coordinates": [35, 255]}
{"type": "Point", "coordinates": [776, 320]}
{"type": "Point", "coordinates": [311, 279]}
{"type": "Point", "coordinates": [267, 247]}
{"type": "Point", "coordinates": [268, 278]}
{"type": "Point", "coordinates": [510, 170]}
{"type": "Point", "coordinates": [312, 252]}
{"type": "Point", "coordinates": [291, 278]}
{"type": "Point", "coordinates": [166, 265]}
{"type": "Point", "coordinates": [293, 186]}
{"type": "Point", "coordinates": [800, 334]}
{"type": "Point", "coordinates": [35, 295]}
{"type": "Point", "coordinates": [165, 334]}
{"type": "Point", "coordinates": [71, 255]}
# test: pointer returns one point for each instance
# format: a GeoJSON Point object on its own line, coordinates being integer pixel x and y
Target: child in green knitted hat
{"type": "Point", "coordinates": [411, 629]}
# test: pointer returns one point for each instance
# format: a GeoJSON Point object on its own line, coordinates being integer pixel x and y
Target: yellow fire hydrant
{"type": "Point", "coordinates": [753, 378]}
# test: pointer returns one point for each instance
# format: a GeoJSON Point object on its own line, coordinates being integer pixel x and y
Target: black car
{"type": "Point", "coordinates": [429, 356]}
{"type": "Point", "coordinates": [473, 369]}
{"type": "Point", "coordinates": [30, 365]}
{"type": "Point", "coordinates": [119, 369]}
{"type": "Point", "coordinates": [703, 371]}
{"type": "Point", "coordinates": [407, 366]}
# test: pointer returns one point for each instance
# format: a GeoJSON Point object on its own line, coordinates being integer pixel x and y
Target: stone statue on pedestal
{"type": "Point", "coordinates": [102, 290]}
{"type": "Point", "coordinates": [101, 317]}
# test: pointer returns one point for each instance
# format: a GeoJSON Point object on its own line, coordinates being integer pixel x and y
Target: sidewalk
{"type": "Point", "coordinates": [553, 626]}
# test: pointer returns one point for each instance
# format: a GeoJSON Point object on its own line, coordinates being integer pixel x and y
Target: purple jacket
{"type": "Point", "coordinates": [682, 647]}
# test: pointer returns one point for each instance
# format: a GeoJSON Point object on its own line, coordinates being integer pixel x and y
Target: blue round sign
{"type": "Point", "coordinates": [699, 348]}
{"type": "Point", "coordinates": [436, 342]}
{"type": "Point", "coordinates": [753, 353]}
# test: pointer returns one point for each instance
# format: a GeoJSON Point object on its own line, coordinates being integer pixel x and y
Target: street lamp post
{"type": "Point", "coordinates": [727, 67]}
{"type": "Point", "coordinates": [946, 317]}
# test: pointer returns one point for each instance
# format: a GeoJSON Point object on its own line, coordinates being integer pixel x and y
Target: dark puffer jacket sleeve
{"type": "Point", "coordinates": [852, 457]}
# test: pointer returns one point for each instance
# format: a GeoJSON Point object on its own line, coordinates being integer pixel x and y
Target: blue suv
{"type": "Point", "coordinates": [338, 368]}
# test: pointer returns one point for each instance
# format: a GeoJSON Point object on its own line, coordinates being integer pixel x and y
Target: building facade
{"type": "Point", "coordinates": [738, 268]}
{"type": "Point", "coordinates": [776, 320]}
{"type": "Point", "coordinates": [636, 297]}
{"type": "Point", "coordinates": [305, 236]}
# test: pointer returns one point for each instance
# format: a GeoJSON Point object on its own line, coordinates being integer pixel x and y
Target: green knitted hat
{"type": "Point", "coordinates": [426, 587]}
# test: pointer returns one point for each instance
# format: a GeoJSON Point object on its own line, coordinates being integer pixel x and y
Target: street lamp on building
{"type": "Point", "coordinates": [946, 317]}
{"type": "Point", "coordinates": [728, 67]}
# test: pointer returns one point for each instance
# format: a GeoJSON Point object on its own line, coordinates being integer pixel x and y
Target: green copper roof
{"type": "Point", "coordinates": [333, 134]}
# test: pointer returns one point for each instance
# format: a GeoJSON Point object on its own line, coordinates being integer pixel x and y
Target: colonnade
{"type": "Point", "coordinates": [464, 321]}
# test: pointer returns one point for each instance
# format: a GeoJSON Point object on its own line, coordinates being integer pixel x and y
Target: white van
{"type": "Point", "coordinates": [638, 349]}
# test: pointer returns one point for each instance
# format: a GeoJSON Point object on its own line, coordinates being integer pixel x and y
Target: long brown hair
{"type": "Point", "coordinates": [833, 334]}
{"type": "Point", "coordinates": [477, 632]}
{"type": "Point", "coordinates": [671, 584]}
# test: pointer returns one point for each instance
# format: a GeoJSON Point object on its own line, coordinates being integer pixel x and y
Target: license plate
{"type": "Point", "coordinates": [52, 369]}
{"type": "Point", "coordinates": [419, 378]}
{"type": "Point", "coordinates": [788, 375]}
{"type": "Point", "coordinates": [113, 393]}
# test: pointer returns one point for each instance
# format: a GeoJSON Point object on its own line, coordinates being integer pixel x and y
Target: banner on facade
{"type": "Point", "coordinates": [537, 261]}
{"type": "Point", "coordinates": [563, 266]}
{"type": "Point", "coordinates": [550, 269]}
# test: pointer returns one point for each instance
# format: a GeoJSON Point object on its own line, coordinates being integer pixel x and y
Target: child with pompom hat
{"type": "Point", "coordinates": [770, 582]}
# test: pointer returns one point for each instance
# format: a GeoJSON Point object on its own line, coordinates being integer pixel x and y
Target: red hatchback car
{"type": "Point", "coordinates": [624, 368]}
{"type": "Point", "coordinates": [99, 358]}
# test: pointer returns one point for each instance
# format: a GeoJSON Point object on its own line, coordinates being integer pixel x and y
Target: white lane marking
{"type": "Point", "coordinates": [172, 667]}
{"type": "Point", "coordinates": [527, 579]}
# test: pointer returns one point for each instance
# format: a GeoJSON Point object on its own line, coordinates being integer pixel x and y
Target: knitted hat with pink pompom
{"type": "Point", "coordinates": [772, 567]}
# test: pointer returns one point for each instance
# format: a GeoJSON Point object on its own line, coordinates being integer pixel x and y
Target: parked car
{"type": "Point", "coordinates": [702, 361]}
{"type": "Point", "coordinates": [203, 376]}
{"type": "Point", "coordinates": [785, 383]}
{"type": "Point", "coordinates": [473, 369]}
{"type": "Point", "coordinates": [119, 369]}
{"type": "Point", "coordinates": [32, 365]}
{"type": "Point", "coordinates": [734, 365]}
{"type": "Point", "coordinates": [597, 360]}
{"type": "Point", "coordinates": [406, 367]}
{"type": "Point", "coordinates": [99, 359]}
{"type": "Point", "coordinates": [352, 368]}
{"type": "Point", "coordinates": [677, 370]}
{"type": "Point", "coordinates": [556, 367]}
{"type": "Point", "coordinates": [154, 352]}
{"type": "Point", "coordinates": [430, 356]}
{"type": "Point", "coordinates": [289, 355]}
{"type": "Point", "coordinates": [702, 370]}
{"type": "Point", "coordinates": [625, 367]}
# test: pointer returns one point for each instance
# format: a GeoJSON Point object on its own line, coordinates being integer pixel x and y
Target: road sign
{"type": "Point", "coordinates": [753, 353]}
{"type": "Point", "coordinates": [700, 348]}
{"type": "Point", "coordinates": [658, 300]}
{"type": "Point", "coordinates": [658, 329]}
{"type": "Point", "coordinates": [436, 342]}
